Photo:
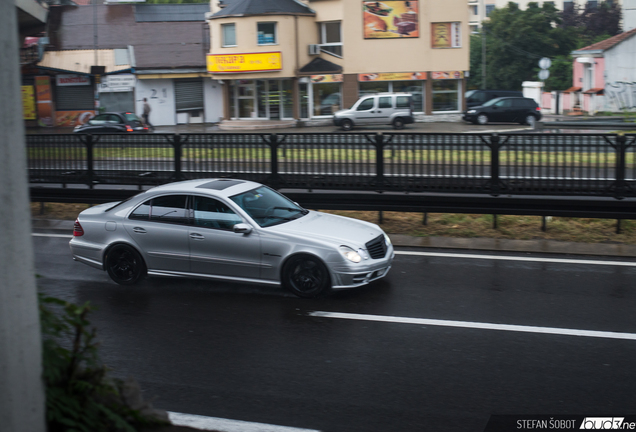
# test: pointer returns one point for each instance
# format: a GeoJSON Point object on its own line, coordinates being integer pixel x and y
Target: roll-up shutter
{"type": "Point", "coordinates": [189, 94]}
{"type": "Point", "coordinates": [71, 98]}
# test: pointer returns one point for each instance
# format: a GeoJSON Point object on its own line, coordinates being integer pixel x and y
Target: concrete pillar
{"type": "Point", "coordinates": [21, 387]}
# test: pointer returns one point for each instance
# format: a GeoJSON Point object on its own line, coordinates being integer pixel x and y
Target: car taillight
{"type": "Point", "coordinates": [538, 108]}
{"type": "Point", "coordinates": [77, 229]}
{"type": "Point", "coordinates": [129, 128]}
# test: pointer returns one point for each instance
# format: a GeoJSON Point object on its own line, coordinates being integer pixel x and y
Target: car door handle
{"type": "Point", "coordinates": [139, 230]}
{"type": "Point", "coordinates": [196, 236]}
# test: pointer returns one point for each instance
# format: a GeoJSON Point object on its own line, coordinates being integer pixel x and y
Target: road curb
{"type": "Point", "coordinates": [482, 244]}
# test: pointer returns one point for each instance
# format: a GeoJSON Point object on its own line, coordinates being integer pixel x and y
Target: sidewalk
{"type": "Point", "coordinates": [474, 244]}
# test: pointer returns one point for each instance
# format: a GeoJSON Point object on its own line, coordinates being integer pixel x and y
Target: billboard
{"type": "Point", "coordinates": [390, 19]}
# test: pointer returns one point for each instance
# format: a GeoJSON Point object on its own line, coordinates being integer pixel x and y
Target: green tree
{"type": "Point", "coordinates": [515, 41]}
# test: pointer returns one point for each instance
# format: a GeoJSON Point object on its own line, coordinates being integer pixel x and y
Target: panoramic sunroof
{"type": "Point", "coordinates": [220, 184]}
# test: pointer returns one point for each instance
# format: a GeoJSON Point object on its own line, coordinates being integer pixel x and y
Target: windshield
{"type": "Point", "coordinates": [491, 102]}
{"type": "Point", "coordinates": [469, 93]}
{"type": "Point", "coordinates": [131, 117]}
{"type": "Point", "coordinates": [267, 207]}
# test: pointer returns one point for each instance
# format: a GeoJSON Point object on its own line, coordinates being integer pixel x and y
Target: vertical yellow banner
{"type": "Point", "coordinates": [28, 103]}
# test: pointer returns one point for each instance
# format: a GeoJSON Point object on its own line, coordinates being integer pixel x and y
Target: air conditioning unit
{"type": "Point", "coordinates": [314, 49]}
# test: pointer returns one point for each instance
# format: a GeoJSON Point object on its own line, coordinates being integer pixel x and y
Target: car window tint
{"type": "Point", "coordinates": [211, 213]}
{"type": "Point", "coordinates": [142, 212]}
{"type": "Point", "coordinates": [385, 102]}
{"type": "Point", "coordinates": [366, 104]}
{"type": "Point", "coordinates": [403, 102]}
{"type": "Point", "coordinates": [169, 208]}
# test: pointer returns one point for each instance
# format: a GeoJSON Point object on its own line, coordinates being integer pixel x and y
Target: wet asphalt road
{"type": "Point", "coordinates": [253, 353]}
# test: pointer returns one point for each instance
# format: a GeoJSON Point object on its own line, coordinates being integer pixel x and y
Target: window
{"type": "Point", "coordinates": [330, 38]}
{"type": "Point", "coordinates": [211, 213]}
{"type": "Point", "coordinates": [366, 104]}
{"type": "Point", "coordinates": [385, 102]}
{"type": "Point", "coordinates": [568, 6]}
{"type": "Point", "coordinates": [475, 10]}
{"type": "Point", "coordinates": [326, 98]}
{"type": "Point", "coordinates": [489, 9]}
{"type": "Point", "coordinates": [402, 102]}
{"type": "Point", "coordinates": [169, 209]}
{"type": "Point", "coordinates": [592, 5]}
{"type": "Point", "coordinates": [228, 32]}
{"type": "Point", "coordinates": [266, 33]}
{"type": "Point", "coordinates": [446, 95]}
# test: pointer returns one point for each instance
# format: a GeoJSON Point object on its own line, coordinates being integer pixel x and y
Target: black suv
{"type": "Point", "coordinates": [505, 109]}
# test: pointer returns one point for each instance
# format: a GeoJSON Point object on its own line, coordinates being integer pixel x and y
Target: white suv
{"type": "Point", "coordinates": [381, 108]}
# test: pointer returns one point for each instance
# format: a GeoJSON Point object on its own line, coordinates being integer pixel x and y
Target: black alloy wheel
{"type": "Point", "coordinates": [124, 265]}
{"type": "Point", "coordinates": [306, 276]}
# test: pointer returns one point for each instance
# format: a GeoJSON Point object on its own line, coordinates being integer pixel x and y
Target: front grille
{"type": "Point", "coordinates": [376, 247]}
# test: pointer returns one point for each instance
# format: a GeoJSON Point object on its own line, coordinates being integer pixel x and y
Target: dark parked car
{"type": "Point", "coordinates": [505, 109]}
{"type": "Point", "coordinates": [113, 122]}
{"type": "Point", "coordinates": [480, 97]}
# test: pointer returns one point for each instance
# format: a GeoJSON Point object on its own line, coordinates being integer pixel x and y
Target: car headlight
{"type": "Point", "coordinates": [350, 254]}
{"type": "Point", "coordinates": [387, 240]}
{"type": "Point", "coordinates": [471, 111]}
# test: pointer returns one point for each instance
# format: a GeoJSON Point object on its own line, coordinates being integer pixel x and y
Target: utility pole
{"type": "Point", "coordinates": [22, 400]}
{"type": "Point", "coordinates": [483, 57]}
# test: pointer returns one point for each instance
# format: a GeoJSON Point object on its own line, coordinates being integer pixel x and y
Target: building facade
{"type": "Point", "coordinates": [305, 60]}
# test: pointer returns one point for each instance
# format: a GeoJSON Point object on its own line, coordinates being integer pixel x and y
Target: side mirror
{"type": "Point", "coordinates": [242, 228]}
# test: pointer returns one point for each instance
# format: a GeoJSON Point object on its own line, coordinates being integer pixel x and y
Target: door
{"type": "Point", "coordinates": [215, 249]}
{"type": "Point", "coordinates": [158, 227]}
{"type": "Point", "coordinates": [384, 110]}
{"type": "Point", "coordinates": [365, 111]}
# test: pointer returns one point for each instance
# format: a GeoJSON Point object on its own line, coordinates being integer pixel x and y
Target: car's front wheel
{"type": "Point", "coordinates": [347, 125]}
{"type": "Point", "coordinates": [124, 265]}
{"type": "Point", "coordinates": [482, 119]}
{"type": "Point", "coordinates": [306, 276]}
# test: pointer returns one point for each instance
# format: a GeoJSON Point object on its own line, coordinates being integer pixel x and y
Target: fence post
{"type": "Point", "coordinates": [90, 161]}
{"type": "Point", "coordinates": [177, 157]}
{"type": "Point", "coordinates": [494, 165]}
{"type": "Point", "coordinates": [379, 160]}
{"type": "Point", "coordinates": [274, 180]}
{"type": "Point", "coordinates": [621, 148]}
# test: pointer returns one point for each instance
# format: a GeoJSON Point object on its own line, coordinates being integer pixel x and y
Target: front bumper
{"type": "Point", "coordinates": [352, 278]}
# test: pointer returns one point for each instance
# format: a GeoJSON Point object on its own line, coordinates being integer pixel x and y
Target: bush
{"type": "Point", "coordinates": [79, 394]}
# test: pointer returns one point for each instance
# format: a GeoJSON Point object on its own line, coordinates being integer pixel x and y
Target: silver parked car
{"type": "Point", "coordinates": [233, 230]}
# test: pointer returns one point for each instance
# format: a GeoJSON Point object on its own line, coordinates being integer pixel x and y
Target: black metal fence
{"type": "Point", "coordinates": [600, 165]}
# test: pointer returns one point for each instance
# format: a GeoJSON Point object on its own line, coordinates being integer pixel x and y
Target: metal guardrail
{"type": "Point", "coordinates": [601, 165]}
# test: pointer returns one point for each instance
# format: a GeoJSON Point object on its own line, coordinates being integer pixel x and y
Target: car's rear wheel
{"type": "Point", "coordinates": [347, 125]}
{"type": "Point", "coordinates": [482, 119]}
{"type": "Point", "coordinates": [306, 276]}
{"type": "Point", "coordinates": [398, 123]}
{"type": "Point", "coordinates": [531, 120]}
{"type": "Point", "coordinates": [125, 265]}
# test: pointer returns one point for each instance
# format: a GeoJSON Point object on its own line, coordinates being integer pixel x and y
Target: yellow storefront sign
{"type": "Point", "coordinates": [245, 62]}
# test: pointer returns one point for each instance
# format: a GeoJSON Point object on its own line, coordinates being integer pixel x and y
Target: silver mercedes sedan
{"type": "Point", "coordinates": [228, 229]}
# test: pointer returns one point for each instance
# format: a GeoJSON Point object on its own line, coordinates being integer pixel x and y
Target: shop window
{"type": "Point", "coordinates": [266, 33]}
{"type": "Point", "coordinates": [446, 95]}
{"type": "Point", "coordinates": [416, 88]}
{"type": "Point", "coordinates": [326, 98]}
{"type": "Point", "coordinates": [367, 88]}
{"type": "Point", "coordinates": [330, 38]}
{"type": "Point", "coordinates": [228, 32]}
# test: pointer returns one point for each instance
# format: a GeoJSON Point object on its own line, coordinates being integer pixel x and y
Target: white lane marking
{"type": "Point", "coordinates": [52, 235]}
{"type": "Point", "coordinates": [518, 258]}
{"type": "Point", "coordinates": [226, 425]}
{"type": "Point", "coordinates": [476, 325]}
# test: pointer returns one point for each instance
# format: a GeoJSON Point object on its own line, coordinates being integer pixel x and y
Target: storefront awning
{"type": "Point", "coordinates": [572, 90]}
{"type": "Point", "coordinates": [320, 66]}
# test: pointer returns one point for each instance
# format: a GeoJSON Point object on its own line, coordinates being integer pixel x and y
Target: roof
{"type": "Point", "coordinates": [598, 91]}
{"type": "Point", "coordinates": [171, 12]}
{"type": "Point", "coordinates": [607, 43]}
{"type": "Point", "coordinates": [572, 90]}
{"type": "Point", "coordinates": [263, 7]}
{"type": "Point", "coordinates": [169, 44]}
{"type": "Point", "coordinates": [320, 65]}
